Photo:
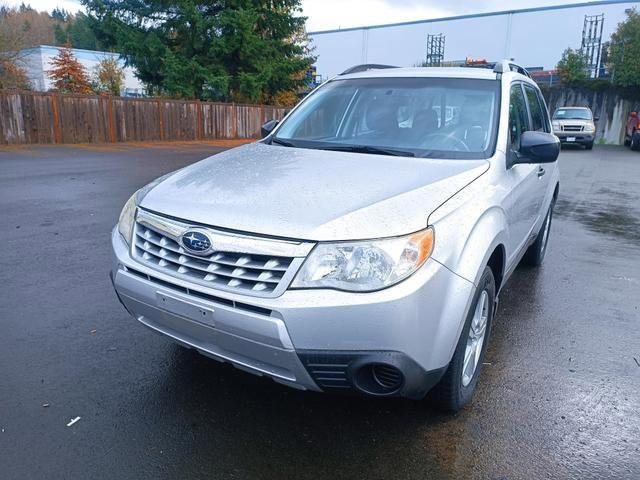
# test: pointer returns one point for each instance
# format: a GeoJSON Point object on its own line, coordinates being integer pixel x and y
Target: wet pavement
{"type": "Point", "coordinates": [558, 398]}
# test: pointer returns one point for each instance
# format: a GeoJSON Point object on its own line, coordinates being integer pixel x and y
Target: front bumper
{"type": "Point", "coordinates": [580, 138]}
{"type": "Point", "coordinates": [413, 326]}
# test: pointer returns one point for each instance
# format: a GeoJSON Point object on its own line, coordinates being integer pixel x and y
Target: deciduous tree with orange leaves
{"type": "Point", "coordinates": [68, 75]}
{"type": "Point", "coordinates": [13, 76]}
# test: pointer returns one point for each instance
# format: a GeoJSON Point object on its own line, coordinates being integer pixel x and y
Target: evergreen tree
{"type": "Point", "coordinates": [68, 75]}
{"type": "Point", "coordinates": [241, 50]}
{"type": "Point", "coordinates": [59, 14]}
{"type": "Point", "coordinates": [60, 34]}
{"type": "Point", "coordinates": [80, 33]}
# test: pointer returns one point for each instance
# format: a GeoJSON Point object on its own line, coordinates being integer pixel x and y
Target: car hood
{"type": "Point", "coordinates": [574, 121]}
{"type": "Point", "coordinates": [311, 194]}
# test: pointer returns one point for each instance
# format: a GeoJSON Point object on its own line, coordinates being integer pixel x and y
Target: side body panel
{"type": "Point", "coordinates": [505, 206]}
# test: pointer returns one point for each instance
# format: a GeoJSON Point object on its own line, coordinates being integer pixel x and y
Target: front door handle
{"type": "Point", "coordinates": [541, 172]}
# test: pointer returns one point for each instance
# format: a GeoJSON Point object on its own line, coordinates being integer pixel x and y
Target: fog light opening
{"type": "Point", "coordinates": [379, 379]}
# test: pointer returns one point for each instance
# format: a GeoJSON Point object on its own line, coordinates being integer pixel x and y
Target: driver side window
{"type": "Point", "coordinates": [518, 116]}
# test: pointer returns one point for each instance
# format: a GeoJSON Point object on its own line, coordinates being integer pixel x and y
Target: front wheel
{"type": "Point", "coordinates": [589, 146]}
{"type": "Point", "coordinates": [635, 141]}
{"type": "Point", "coordinates": [456, 387]}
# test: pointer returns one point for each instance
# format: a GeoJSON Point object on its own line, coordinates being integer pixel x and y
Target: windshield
{"type": "Point", "coordinates": [572, 114]}
{"type": "Point", "coordinates": [424, 117]}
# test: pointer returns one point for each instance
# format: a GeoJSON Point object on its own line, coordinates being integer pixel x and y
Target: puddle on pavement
{"type": "Point", "coordinates": [618, 220]}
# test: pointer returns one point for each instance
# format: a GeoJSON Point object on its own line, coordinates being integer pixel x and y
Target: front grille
{"type": "Point", "coordinates": [243, 272]}
{"type": "Point", "coordinates": [572, 128]}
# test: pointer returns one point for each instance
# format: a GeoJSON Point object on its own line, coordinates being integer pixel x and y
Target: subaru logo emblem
{"type": "Point", "coordinates": [196, 242]}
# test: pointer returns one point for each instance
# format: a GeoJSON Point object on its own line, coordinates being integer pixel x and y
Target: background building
{"type": "Point", "coordinates": [533, 37]}
{"type": "Point", "coordinates": [37, 61]}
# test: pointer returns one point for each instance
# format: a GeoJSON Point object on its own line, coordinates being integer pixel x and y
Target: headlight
{"type": "Point", "coordinates": [127, 217]}
{"type": "Point", "coordinates": [555, 126]}
{"type": "Point", "coordinates": [589, 127]}
{"type": "Point", "coordinates": [128, 214]}
{"type": "Point", "coordinates": [365, 266]}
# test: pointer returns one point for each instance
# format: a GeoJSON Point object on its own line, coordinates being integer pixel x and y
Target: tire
{"type": "Point", "coordinates": [635, 141]}
{"type": "Point", "coordinates": [535, 253]}
{"type": "Point", "coordinates": [456, 387]}
{"type": "Point", "coordinates": [627, 141]}
{"type": "Point", "coordinates": [589, 146]}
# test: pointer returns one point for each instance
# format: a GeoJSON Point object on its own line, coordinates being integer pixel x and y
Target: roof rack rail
{"type": "Point", "coordinates": [365, 67]}
{"type": "Point", "coordinates": [486, 65]}
{"type": "Point", "coordinates": [509, 66]}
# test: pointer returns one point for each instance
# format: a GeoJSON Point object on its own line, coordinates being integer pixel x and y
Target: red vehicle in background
{"type": "Point", "coordinates": [632, 132]}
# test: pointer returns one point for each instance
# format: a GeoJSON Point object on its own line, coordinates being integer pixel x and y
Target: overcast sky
{"type": "Point", "coordinates": [329, 14]}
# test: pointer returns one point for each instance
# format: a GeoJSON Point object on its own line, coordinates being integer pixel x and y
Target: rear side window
{"type": "Point", "coordinates": [518, 117]}
{"type": "Point", "coordinates": [537, 112]}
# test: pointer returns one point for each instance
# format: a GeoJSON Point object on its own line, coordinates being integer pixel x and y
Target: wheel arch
{"type": "Point", "coordinates": [486, 240]}
{"type": "Point", "coordinates": [497, 261]}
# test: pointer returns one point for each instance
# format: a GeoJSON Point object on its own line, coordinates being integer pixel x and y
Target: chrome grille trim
{"type": "Point", "coordinates": [229, 242]}
{"type": "Point", "coordinates": [239, 263]}
{"type": "Point", "coordinates": [572, 128]}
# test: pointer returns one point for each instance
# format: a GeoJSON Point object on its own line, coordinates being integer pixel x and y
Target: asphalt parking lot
{"type": "Point", "coordinates": [559, 397]}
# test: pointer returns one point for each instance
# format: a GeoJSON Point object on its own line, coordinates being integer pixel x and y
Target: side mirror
{"type": "Point", "coordinates": [634, 115]}
{"type": "Point", "coordinates": [595, 119]}
{"type": "Point", "coordinates": [268, 127]}
{"type": "Point", "coordinates": [537, 147]}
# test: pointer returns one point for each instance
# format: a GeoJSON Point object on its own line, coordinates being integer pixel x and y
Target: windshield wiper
{"type": "Point", "coordinates": [369, 149]}
{"type": "Point", "coordinates": [284, 143]}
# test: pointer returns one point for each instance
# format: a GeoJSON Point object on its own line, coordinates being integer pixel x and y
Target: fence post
{"type": "Point", "coordinates": [200, 126]}
{"type": "Point", "coordinates": [160, 119]}
{"type": "Point", "coordinates": [111, 120]}
{"type": "Point", "coordinates": [57, 134]}
{"type": "Point", "coordinates": [234, 120]}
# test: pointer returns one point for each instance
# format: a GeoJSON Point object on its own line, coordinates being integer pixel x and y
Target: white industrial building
{"type": "Point", "coordinates": [533, 37]}
{"type": "Point", "coordinates": [37, 61]}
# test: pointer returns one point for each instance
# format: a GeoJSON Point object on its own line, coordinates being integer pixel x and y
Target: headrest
{"type": "Point", "coordinates": [382, 116]}
{"type": "Point", "coordinates": [425, 120]}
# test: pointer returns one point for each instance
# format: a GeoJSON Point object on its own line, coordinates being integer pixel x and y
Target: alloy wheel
{"type": "Point", "coordinates": [475, 340]}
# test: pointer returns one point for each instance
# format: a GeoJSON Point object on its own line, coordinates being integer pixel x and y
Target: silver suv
{"type": "Point", "coordinates": [362, 244]}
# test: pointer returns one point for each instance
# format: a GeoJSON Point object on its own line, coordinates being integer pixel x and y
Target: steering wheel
{"type": "Point", "coordinates": [449, 138]}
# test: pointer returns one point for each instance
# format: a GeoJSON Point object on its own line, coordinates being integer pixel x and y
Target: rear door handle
{"type": "Point", "coordinates": [541, 172]}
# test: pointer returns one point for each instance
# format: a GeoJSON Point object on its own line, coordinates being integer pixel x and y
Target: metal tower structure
{"type": "Point", "coordinates": [592, 43]}
{"type": "Point", "coordinates": [435, 49]}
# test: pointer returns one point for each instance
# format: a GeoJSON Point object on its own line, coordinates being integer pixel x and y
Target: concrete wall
{"type": "Point", "coordinates": [609, 106]}
{"type": "Point", "coordinates": [534, 37]}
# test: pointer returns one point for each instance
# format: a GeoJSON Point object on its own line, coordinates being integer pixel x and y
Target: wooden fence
{"type": "Point", "coordinates": [33, 117]}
